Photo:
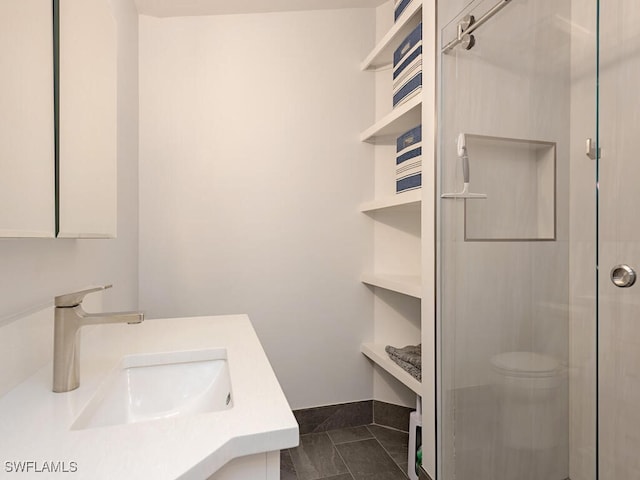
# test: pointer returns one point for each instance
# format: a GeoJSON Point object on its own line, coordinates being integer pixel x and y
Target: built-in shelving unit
{"type": "Point", "coordinates": [399, 120]}
{"type": "Point", "coordinates": [410, 201]}
{"type": "Point", "coordinates": [410, 285]}
{"type": "Point", "coordinates": [376, 353]}
{"type": "Point", "coordinates": [381, 55]}
{"type": "Point", "coordinates": [395, 271]}
{"type": "Point", "coordinates": [400, 271]}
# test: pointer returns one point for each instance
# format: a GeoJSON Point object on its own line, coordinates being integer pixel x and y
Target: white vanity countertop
{"type": "Point", "coordinates": [35, 422]}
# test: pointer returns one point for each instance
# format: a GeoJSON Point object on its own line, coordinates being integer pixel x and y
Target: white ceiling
{"type": "Point", "coordinates": [178, 8]}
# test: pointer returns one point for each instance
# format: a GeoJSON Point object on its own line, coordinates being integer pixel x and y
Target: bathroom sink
{"type": "Point", "coordinates": [159, 386]}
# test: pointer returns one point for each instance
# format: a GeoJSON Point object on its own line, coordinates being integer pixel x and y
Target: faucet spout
{"type": "Point", "coordinates": [69, 319]}
{"type": "Point", "coordinates": [131, 318]}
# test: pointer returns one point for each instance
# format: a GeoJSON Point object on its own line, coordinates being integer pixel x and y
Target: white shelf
{"type": "Point", "coordinates": [410, 285]}
{"type": "Point", "coordinates": [395, 123]}
{"type": "Point", "coordinates": [410, 201]}
{"type": "Point", "coordinates": [376, 353]}
{"type": "Point", "coordinates": [382, 54]}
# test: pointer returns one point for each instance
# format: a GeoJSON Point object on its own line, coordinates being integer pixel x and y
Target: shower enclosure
{"type": "Point", "coordinates": [538, 315]}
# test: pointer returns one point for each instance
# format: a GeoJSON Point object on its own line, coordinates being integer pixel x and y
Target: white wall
{"type": "Point", "coordinates": [250, 177]}
{"type": "Point", "coordinates": [163, 8]}
{"type": "Point", "coordinates": [35, 270]}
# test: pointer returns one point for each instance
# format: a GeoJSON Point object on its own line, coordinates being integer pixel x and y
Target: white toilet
{"type": "Point", "coordinates": [529, 396]}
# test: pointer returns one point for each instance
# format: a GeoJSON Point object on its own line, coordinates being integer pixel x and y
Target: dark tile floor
{"type": "Point", "coordinates": [367, 452]}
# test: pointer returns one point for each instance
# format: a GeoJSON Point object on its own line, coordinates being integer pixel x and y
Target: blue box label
{"type": "Point", "coordinates": [405, 47]}
{"type": "Point", "coordinates": [409, 138]}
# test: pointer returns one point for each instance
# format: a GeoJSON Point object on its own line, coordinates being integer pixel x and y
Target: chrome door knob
{"type": "Point", "coordinates": [623, 276]}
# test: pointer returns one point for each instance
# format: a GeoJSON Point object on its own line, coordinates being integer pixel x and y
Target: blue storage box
{"type": "Point", "coordinates": [399, 7]}
{"type": "Point", "coordinates": [411, 41]}
{"type": "Point", "coordinates": [409, 160]}
{"type": "Point", "coordinates": [410, 182]}
{"type": "Point", "coordinates": [407, 67]}
{"type": "Point", "coordinates": [408, 90]}
{"type": "Point", "coordinates": [408, 64]}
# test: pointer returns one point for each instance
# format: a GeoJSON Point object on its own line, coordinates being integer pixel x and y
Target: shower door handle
{"type": "Point", "coordinates": [591, 149]}
{"type": "Point", "coordinates": [623, 276]}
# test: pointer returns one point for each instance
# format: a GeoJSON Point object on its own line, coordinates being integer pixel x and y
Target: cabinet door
{"type": "Point", "coordinates": [27, 207]}
{"type": "Point", "coordinates": [87, 157]}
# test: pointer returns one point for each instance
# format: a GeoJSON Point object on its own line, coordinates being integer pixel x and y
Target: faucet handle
{"type": "Point", "coordinates": [74, 299]}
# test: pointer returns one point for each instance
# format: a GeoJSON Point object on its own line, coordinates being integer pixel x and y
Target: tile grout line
{"type": "Point", "coordinates": [293, 465]}
{"type": "Point", "coordinates": [389, 428]}
{"type": "Point", "coordinates": [333, 445]}
{"type": "Point", "coordinates": [352, 441]}
{"type": "Point", "coordinates": [342, 458]}
{"type": "Point", "coordinates": [372, 437]}
{"type": "Point", "coordinates": [392, 459]}
{"type": "Point", "coordinates": [340, 455]}
{"type": "Point", "coordinates": [390, 456]}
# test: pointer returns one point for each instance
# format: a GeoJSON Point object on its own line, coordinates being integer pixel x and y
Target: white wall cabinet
{"type": "Point", "coordinates": [87, 119]}
{"type": "Point", "coordinates": [26, 119]}
{"type": "Point", "coordinates": [58, 162]}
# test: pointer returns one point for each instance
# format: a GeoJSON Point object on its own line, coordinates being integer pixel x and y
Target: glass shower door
{"type": "Point", "coordinates": [619, 240]}
{"type": "Point", "coordinates": [517, 244]}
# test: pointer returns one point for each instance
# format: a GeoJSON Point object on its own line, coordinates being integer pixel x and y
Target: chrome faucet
{"type": "Point", "coordinates": [69, 318]}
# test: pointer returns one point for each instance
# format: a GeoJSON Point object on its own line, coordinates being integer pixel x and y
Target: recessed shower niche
{"type": "Point", "coordinates": [518, 177]}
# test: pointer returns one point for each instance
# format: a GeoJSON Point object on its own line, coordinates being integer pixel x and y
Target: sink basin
{"type": "Point", "coordinates": [160, 385]}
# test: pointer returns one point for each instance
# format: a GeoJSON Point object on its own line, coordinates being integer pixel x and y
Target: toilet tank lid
{"type": "Point", "coordinates": [525, 362]}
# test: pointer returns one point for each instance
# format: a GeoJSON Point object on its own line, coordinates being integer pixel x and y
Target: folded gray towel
{"type": "Point", "coordinates": [411, 354]}
{"type": "Point", "coordinates": [409, 358]}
